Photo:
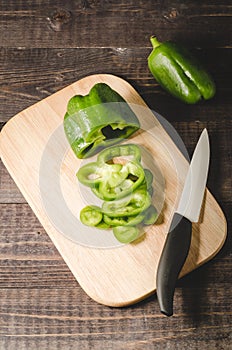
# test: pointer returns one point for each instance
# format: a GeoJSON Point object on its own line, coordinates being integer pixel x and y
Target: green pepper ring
{"type": "Point", "coordinates": [91, 174]}
{"type": "Point", "coordinates": [110, 194]}
{"type": "Point", "coordinates": [124, 220]}
{"type": "Point", "coordinates": [119, 208]}
{"type": "Point", "coordinates": [119, 151]}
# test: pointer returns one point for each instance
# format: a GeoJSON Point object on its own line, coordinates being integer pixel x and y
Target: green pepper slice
{"type": "Point", "coordinates": [91, 215]}
{"type": "Point", "coordinates": [97, 120]}
{"type": "Point", "coordinates": [92, 174]}
{"type": "Point", "coordinates": [179, 73]}
{"type": "Point", "coordinates": [102, 225]}
{"type": "Point", "coordinates": [132, 205]}
{"type": "Point", "coordinates": [109, 153]}
{"type": "Point", "coordinates": [150, 216]}
{"type": "Point", "coordinates": [148, 178]}
{"type": "Point", "coordinates": [126, 234]}
{"type": "Point", "coordinates": [124, 220]}
{"type": "Point", "coordinates": [109, 191]}
{"type": "Point", "coordinates": [110, 181]}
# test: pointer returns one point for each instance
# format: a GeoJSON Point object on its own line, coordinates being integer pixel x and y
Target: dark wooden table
{"type": "Point", "coordinates": [46, 45]}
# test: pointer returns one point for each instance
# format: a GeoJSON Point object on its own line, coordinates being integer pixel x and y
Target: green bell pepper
{"type": "Point", "coordinates": [179, 73]}
{"type": "Point", "coordinates": [97, 120]}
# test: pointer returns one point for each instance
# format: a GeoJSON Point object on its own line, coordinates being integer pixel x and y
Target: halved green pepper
{"type": "Point", "coordinates": [179, 73]}
{"type": "Point", "coordinates": [97, 120]}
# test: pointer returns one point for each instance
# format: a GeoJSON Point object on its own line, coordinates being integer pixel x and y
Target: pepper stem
{"type": "Point", "coordinates": [154, 41]}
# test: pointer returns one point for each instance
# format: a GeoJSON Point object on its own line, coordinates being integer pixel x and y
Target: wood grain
{"type": "Point", "coordinates": [29, 75]}
{"type": "Point", "coordinates": [120, 24]}
{"type": "Point", "coordinates": [119, 276]}
{"type": "Point", "coordinates": [53, 323]}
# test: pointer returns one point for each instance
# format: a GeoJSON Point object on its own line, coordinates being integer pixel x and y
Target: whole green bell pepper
{"type": "Point", "coordinates": [179, 73]}
{"type": "Point", "coordinates": [97, 120]}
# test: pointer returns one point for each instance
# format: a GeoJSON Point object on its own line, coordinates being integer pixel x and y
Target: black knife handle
{"type": "Point", "coordinates": [172, 259]}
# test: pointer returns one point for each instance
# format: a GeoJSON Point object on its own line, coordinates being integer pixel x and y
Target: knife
{"type": "Point", "coordinates": [178, 239]}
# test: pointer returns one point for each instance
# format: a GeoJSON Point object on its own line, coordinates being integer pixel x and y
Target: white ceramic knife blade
{"type": "Point", "coordinates": [194, 187]}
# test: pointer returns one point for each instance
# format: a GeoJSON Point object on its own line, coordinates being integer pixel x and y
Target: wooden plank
{"type": "Point", "coordinates": [29, 75]}
{"type": "Point", "coordinates": [113, 277]}
{"type": "Point", "coordinates": [116, 23]}
{"type": "Point", "coordinates": [56, 319]}
{"type": "Point", "coordinates": [9, 193]}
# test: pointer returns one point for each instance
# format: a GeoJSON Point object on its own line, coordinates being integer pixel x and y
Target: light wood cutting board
{"type": "Point", "coordinates": [115, 276]}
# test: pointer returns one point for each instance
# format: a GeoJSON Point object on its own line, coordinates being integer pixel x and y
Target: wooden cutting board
{"type": "Point", "coordinates": [115, 276]}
